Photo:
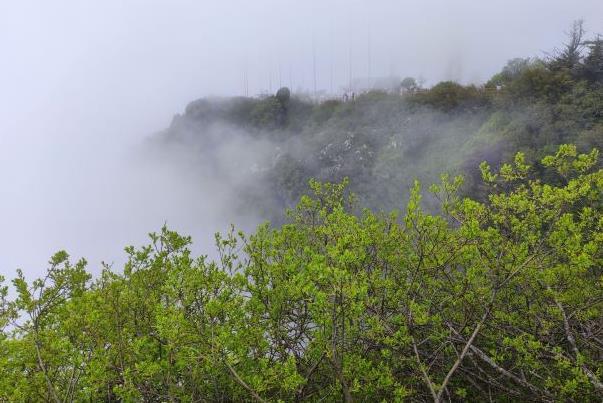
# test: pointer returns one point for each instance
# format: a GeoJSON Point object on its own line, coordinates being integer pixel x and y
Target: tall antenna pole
{"type": "Point", "coordinates": [246, 79]}
{"type": "Point", "coordinates": [314, 63]}
{"type": "Point", "coordinates": [332, 51]}
{"type": "Point", "coordinates": [331, 75]}
{"type": "Point", "coordinates": [269, 81]}
{"type": "Point", "coordinates": [245, 84]}
{"type": "Point", "coordinates": [369, 55]}
{"type": "Point", "coordinates": [280, 76]}
{"type": "Point", "coordinates": [350, 65]}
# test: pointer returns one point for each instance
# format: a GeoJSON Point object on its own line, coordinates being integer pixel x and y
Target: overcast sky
{"type": "Point", "coordinates": [81, 82]}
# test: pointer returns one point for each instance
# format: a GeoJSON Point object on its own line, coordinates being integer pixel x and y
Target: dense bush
{"type": "Point", "coordinates": [449, 96]}
{"type": "Point", "coordinates": [500, 300]}
{"type": "Point", "coordinates": [268, 114]}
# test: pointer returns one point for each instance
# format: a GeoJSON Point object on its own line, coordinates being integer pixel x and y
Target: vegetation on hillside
{"type": "Point", "coordinates": [384, 141]}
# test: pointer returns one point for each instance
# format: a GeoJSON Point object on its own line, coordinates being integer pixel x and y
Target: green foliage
{"type": "Point", "coordinates": [537, 82]}
{"type": "Point", "coordinates": [494, 300]}
{"type": "Point", "coordinates": [449, 96]}
{"type": "Point", "coordinates": [323, 112]}
{"type": "Point", "coordinates": [514, 69]}
{"type": "Point", "coordinates": [593, 63]}
{"type": "Point", "coordinates": [268, 114]}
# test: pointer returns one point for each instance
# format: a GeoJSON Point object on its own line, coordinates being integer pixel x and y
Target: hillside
{"type": "Point", "coordinates": [384, 141]}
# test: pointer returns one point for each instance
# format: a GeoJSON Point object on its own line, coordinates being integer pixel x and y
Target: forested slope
{"type": "Point", "coordinates": [384, 141]}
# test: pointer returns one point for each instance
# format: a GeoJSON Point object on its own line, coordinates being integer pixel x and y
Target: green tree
{"type": "Point", "coordinates": [593, 62]}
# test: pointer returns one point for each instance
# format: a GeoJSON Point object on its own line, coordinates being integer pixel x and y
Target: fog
{"type": "Point", "coordinates": [84, 84]}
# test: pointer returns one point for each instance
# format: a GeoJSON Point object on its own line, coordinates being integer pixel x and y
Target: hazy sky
{"type": "Point", "coordinates": [81, 82]}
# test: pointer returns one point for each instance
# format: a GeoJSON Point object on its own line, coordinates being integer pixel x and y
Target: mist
{"type": "Point", "coordinates": [85, 87]}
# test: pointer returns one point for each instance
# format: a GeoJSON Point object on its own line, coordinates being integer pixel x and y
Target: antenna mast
{"type": "Point", "coordinates": [369, 55]}
{"type": "Point", "coordinates": [314, 62]}
{"type": "Point", "coordinates": [246, 80]}
{"type": "Point", "coordinates": [280, 75]}
{"type": "Point", "coordinates": [350, 66]}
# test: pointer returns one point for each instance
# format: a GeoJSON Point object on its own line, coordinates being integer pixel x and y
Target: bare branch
{"type": "Point", "coordinates": [462, 355]}
{"type": "Point", "coordinates": [423, 372]}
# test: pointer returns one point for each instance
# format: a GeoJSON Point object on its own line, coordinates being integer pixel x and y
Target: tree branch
{"type": "Point", "coordinates": [347, 395]}
{"type": "Point", "coordinates": [51, 390]}
{"type": "Point", "coordinates": [241, 382]}
{"type": "Point", "coordinates": [462, 355]}
{"type": "Point", "coordinates": [484, 357]}
{"type": "Point", "coordinates": [423, 372]}
{"type": "Point", "coordinates": [300, 391]}
{"type": "Point", "coordinates": [592, 377]}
